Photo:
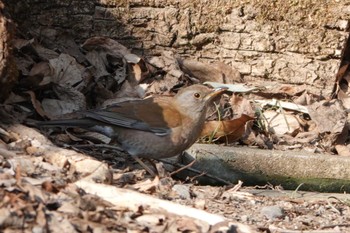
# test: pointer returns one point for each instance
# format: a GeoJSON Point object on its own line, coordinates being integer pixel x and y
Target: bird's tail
{"type": "Point", "coordinates": [82, 123]}
{"type": "Point", "coordinates": [85, 123]}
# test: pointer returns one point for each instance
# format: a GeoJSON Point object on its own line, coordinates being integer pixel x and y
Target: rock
{"type": "Point", "coordinates": [272, 212]}
{"type": "Point", "coordinates": [182, 190]}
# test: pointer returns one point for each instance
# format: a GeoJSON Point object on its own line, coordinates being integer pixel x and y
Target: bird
{"type": "Point", "coordinates": [154, 128]}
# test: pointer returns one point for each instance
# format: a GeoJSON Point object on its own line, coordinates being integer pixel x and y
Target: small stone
{"type": "Point", "coordinates": [182, 190]}
{"type": "Point", "coordinates": [272, 212]}
{"type": "Point", "coordinates": [244, 218]}
{"type": "Point", "coordinates": [200, 204]}
{"type": "Point", "coordinates": [38, 229]}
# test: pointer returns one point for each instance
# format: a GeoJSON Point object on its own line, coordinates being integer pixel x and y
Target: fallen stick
{"type": "Point", "coordinates": [132, 200]}
{"type": "Point", "coordinates": [124, 198]}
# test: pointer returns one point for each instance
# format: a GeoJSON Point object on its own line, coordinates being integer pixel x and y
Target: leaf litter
{"type": "Point", "coordinates": [47, 188]}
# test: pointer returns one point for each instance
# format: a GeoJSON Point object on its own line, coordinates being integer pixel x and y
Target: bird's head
{"type": "Point", "coordinates": [195, 99]}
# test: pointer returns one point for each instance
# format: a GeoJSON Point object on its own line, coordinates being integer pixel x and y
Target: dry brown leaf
{"type": "Point", "coordinates": [136, 74]}
{"type": "Point", "coordinates": [305, 99]}
{"type": "Point", "coordinates": [37, 106]}
{"type": "Point", "coordinates": [290, 90]}
{"type": "Point", "coordinates": [163, 85]}
{"type": "Point", "coordinates": [141, 70]}
{"type": "Point", "coordinates": [21, 43]}
{"type": "Point", "coordinates": [14, 98]}
{"type": "Point", "coordinates": [67, 71]}
{"type": "Point", "coordinates": [232, 129]}
{"type": "Point", "coordinates": [147, 186]}
{"type": "Point", "coordinates": [50, 186]}
{"type": "Point", "coordinates": [281, 123]}
{"type": "Point", "coordinates": [301, 138]}
{"type": "Point", "coordinates": [68, 45]}
{"type": "Point", "coordinates": [331, 121]}
{"type": "Point", "coordinates": [230, 74]}
{"type": "Point", "coordinates": [41, 69]}
{"type": "Point", "coordinates": [342, 82]}
{"type": "Point", "coordinates": [71, 100]}
{"type": "Point", "coordinates": [240, 106]}
{"type": "Point", "coordinates": [99, 62]}
{"type": "Point", "coordinates": [44, 53]}
{"type": "Point", "coordinates": [215, 72]}
{"type": "Point", "coordinates": [274, 89]}
{"type": "Point", "coordinates": [343, 150]}
{"type": "Point", "coordinates": [329, 116]}
{"type": "Point", "coordinates": [126, 90]}
{"type": "Point", "coordinates": [109, 45]}
{"type": "Point", "coordinates": [37, 74]}
{"type": "Point", "coordinates": [56, 107]}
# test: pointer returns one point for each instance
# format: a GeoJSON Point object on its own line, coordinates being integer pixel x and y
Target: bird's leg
{"type": "Point", "coordinates": [147, 168]}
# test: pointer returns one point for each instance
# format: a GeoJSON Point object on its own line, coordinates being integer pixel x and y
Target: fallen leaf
{"type": "Point", "coordinates": [216, 72]}
{"type": "Point", "coordinates": [329, 116]}
{"type": "Point", "coordinates": [67, 72]}
{"type": "Point", "coordinates": [37, 105]}
{"type": "Point", "coordinates": [132, 58]}
{"type": "Point", "coordinates": [240, 106]}
{"type": "Point", "coordinates": [283, 104]}
{"type": "Point", "coordinates": [137, 73]}
{"type": "Point", "coordinates": [147, 186]}
{"type": "Point", "coordinates": [57, 107]}
{"type": "Point", "coordinates": [38, 73]}
{"type": "Point", "coordinates": [98, 60]}
{"type": "Point", "coordinates": [281, 123]}
{"type": "Point", "coordinates": [233, 129]}
{"type": "Point", "coordinates": [109, 45]}
{"type": "Point", "coordinates": [235, 88]}
{"type": "Point", "coordinates": [21, 43]}
{"type": "Point", "coordinates": [44, 53]}
{"type": "Point", "coordinates": [230, 74]}
{"type": "Point", "coordinates": [70, 100]}
{"type": "Point", "coordinates": [343, 150]}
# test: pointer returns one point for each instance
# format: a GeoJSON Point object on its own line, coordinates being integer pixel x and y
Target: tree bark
{"type": "Point", "coordinates": [8, 69]}
{"type": "Point", "coordinates": [267, 41]}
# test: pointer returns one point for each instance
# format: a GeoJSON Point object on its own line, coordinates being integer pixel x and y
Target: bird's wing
{"type": "Point", "coordinates": [153, 115]}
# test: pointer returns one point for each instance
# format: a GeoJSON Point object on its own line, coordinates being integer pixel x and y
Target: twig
{"type": "Point", "coordinates": [332, 207]}
{"type": "Point", "coordinates": [296, 190]}
{"type": "Point", "coordinates": [336, 225]}
{"type": "Point", "coordinates": [137, 159]}
{"type": "Point", "coordinates": [183, 168]}
{"type": "Point", "coordinates": [236, 187]}
{"type": "Point", "coordinates": [197, 176]}
{"type": "Point", "coordinates": [280, 230]}
{"type": "Point", "coordinates": [197, 172]}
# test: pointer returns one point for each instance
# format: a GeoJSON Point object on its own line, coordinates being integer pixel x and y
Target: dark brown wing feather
{"type": "Point", "coordinates": [153, 114]}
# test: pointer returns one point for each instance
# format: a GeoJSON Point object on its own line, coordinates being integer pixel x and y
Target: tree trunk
{"type": "Point", "coordinates": [267, 41]}
{"type": "Point", "coordinates": [8, 69]}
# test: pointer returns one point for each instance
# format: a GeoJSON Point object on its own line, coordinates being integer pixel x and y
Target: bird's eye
{"type": "Point", "coordinates": [197, 95]}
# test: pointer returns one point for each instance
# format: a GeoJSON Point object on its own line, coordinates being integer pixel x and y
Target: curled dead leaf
{"type": "Point", "coordinates": [37, 105]}
{"type": "Point", "coordinates": [218, 72]}
{"type": "Point", "coordinates": [232, 129]}
{"type": "Point", "coordinates": [281, 123]}
{"type": "Point", "coordinates": [108, 44]}
{"type": "Point", "coordinates": [240, 106]}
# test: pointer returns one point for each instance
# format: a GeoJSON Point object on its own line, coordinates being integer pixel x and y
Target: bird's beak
{"type": "Point", "coordinates": [217, 91]}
